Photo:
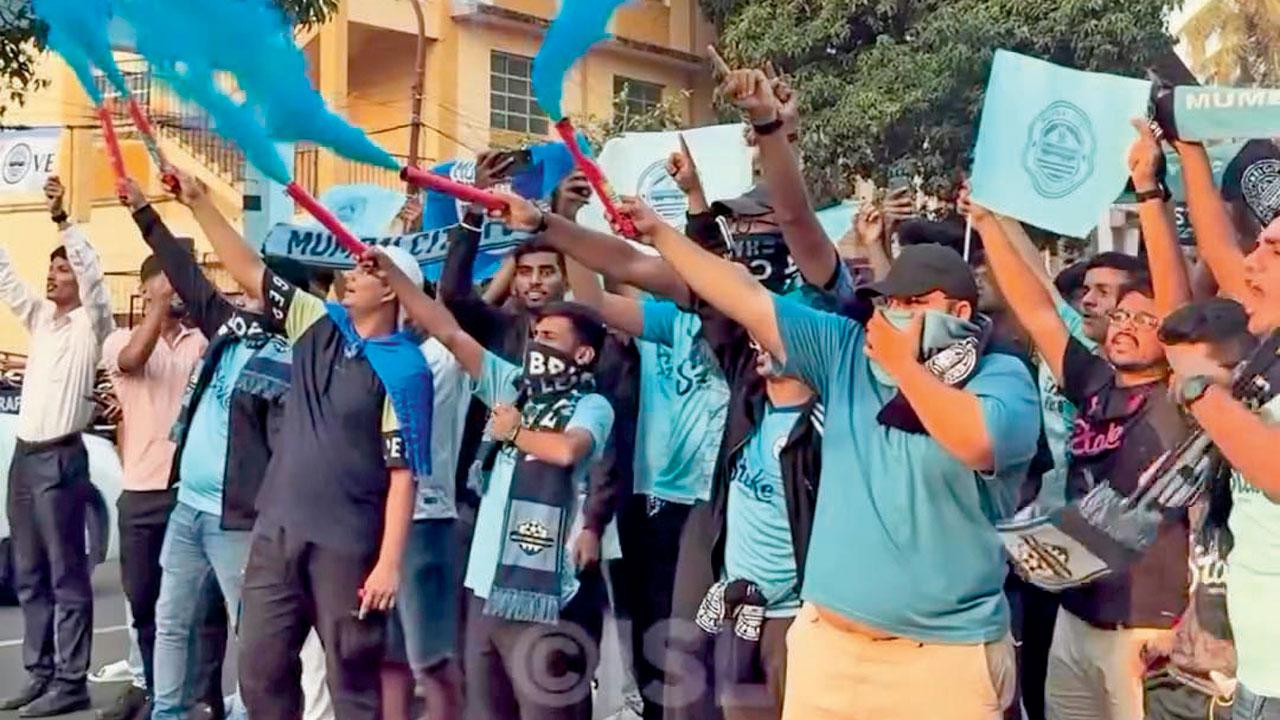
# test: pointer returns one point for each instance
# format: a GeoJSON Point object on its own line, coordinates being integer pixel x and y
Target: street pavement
{"type": "Point", "coordinates": [110, 640]}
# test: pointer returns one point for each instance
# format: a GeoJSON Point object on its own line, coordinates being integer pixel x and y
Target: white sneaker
{"type": "Point", "coordinates": [116, 672]}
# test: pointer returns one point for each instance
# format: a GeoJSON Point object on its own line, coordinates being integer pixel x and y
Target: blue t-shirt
{"type": "Point", "coordinates": [683, 402]}
{"type": "Point", "coordinates": [497, 384]}
{"type": "Point", "coordinates": [902, 538]}
{"type": "Point", "coordinates": [204, 458]}
{"type": "Point", "coordinates": [758, 543]}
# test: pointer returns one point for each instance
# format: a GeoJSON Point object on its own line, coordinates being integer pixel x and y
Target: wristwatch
{"type": "Point", "coordinates": [768, 128]}
{"type": "Point", "coordinates": [60, 218]}
{"type": "Point", "coordinates": [1194, 388]}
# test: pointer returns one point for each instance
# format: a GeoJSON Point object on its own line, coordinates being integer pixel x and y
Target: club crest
{"type": "Point", "coordinates": [1260, 186]}
{"type": "Point", "coordinates": [955, 362]}
{"type": "Point", "coordinates": [532, 537]}
{"type": "Point", "coordinates": [1060, 148]}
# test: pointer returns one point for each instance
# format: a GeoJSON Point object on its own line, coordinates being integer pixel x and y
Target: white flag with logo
{"type": "Point", "coordinates": [27, 159]}
{"type": "Point", "coordinates": [636, 164]}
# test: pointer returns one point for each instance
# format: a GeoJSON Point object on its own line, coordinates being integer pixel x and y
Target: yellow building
{"type": "Point", "coordinates": [476, 95]}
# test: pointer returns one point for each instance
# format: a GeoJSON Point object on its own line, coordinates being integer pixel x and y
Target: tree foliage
{"type": "Point", "coordinates": [22, 39]}
{"type": "Point", "coordinates": [1245, 37]}
{"type": "Point", "coordinates": [666, 115]}
{"type": "Point", "coordinates": [894, 86]}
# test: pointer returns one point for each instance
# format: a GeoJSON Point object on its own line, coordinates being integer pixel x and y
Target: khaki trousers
{"type": "Point", "coordinates": [835, 673]}
{"type": "Point", "coordinates": [1095, 674]}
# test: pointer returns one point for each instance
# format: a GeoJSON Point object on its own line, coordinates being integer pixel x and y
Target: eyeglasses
{"type": "Point", "coordinates": [1143, 320]}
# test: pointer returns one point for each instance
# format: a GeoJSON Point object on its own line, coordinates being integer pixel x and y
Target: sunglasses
{"type": "Point", "coordinates": [1143, 320]}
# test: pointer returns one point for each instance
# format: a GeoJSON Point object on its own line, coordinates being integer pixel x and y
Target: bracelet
{"type": "Point", "coordinates": [514, 434]}
{"type": "Point", "coordinates": [1154, 194]}
{"type": "Point", "coordinates": [542, 223]}
{"type": "Point", "coordinates": [59, 218]}
{"type": "Point", "coordinates": [768, 128]}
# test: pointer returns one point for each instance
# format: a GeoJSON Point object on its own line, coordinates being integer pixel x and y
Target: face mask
{"type": "Point", "coordinates": [548, 370]}
{"type": "Point", "coordinates": [948, 344]}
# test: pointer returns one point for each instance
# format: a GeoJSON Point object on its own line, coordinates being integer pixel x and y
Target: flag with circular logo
{"type": "Point", "coordinates": [1052, 142]}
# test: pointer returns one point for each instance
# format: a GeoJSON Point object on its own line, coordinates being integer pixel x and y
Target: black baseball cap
{"type": "Point", "coordinates": [753, 203]}
{"type": "Point", "coordinates": [922, 269]}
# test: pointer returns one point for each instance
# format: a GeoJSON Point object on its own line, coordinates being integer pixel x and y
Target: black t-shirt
{"type": "Point", "coordinates": [1119, 432]}
{"type": "Point", "coordinates": [328, 477]}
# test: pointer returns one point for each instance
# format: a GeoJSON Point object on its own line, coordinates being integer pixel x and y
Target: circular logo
{"type": "Point", "coordinates": [1059, 151]}
{"type": "Point", "coordinates": [531, 536]}
{"type": "Point", "coordinates": [954, 362]}
{"type": "Point", "coordinates": [1260, 186]}
{"type": "Point", "coordinates": [659, 191]}
{"type": "Point", "coordinates": [17, 163]}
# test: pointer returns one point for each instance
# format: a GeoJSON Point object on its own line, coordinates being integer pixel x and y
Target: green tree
{"type": "Point", "coordinates": [22, 39]}
{"type": "Point", "coordinates": [892, 86]}
{"type": "Point", "coordinates": [666, 115]}
{"type": "Point", "coordinates": [1244, 37]}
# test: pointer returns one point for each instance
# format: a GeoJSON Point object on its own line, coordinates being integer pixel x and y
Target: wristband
{"type": "Point", "coordinates": [768, 128]}
{"type": "Point", "coordinates": [542, 223]}
{"type": "Point", "coordinates": [1157, 193]}
{"type": "Point", "coordinates": [59, 218]}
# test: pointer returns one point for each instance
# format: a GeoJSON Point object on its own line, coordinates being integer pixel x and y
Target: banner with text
{"type": "Point", "coordinates": [27, 159]}
{"type": "Point", "coordinates": [318, 248]}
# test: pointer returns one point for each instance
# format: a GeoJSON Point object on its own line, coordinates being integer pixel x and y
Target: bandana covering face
{"type": "Point", "coordinates": [950, 346]}
{"type": "Point", "coordinates": [529, 583]}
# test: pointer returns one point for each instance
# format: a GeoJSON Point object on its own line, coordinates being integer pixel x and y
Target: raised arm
{"type": "Point", "coordinates": [16, 294]}
{"type": "Point", "coordinates": [1169, 278]}
{"type": "Point", "coordinates": [430, 315]}
{"type": "Point", "coordinates": [617, 311]}
{"type": "Point", "coordinates": [753, 93]}
{"type": "Point", "coordinates": [615, 258]}
{"type": "Point", "coordinates": [133, 357]}
{"type": "Point", "coordinates": [246, 268]}
{"type": "Point", "coordinates": [723, 284]}
{"type": "Point", "coordinates": [1215, 235]}
{"type": "Point", "coordinates": [205, 305]}
{"type": "Point", "coordinates": [1032, 303]}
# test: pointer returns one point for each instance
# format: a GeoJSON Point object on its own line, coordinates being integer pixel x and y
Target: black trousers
{"type": "Point", "coordinates": [534, 671]}
{"type": "Point", "coordinates": [49, 491]}
{"type": "Point", "coordinates": [650, 547]}
{"type": "Point", "coordinates": [143, 517]}
{"type": "Point", "coordinates": [1034, 613]}
{"type": "Point", "coordinates": [289, 588]}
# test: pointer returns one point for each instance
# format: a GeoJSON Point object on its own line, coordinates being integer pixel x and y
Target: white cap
{"type": "Point", "coordinates": [407, 263]}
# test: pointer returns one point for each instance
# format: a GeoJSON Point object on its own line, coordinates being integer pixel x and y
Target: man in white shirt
{"type": "Point", "coordinates": [49, 475]}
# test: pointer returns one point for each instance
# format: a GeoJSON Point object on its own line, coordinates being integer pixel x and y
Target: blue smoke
{"type": "Point", "coordinates": [171, 36]}
{"type": "Point", "coordinates": [252, 40]}
{"type": "Point", "coordinates": [580, 24]}
{"type": "Point", "coordinates": [78, 32]}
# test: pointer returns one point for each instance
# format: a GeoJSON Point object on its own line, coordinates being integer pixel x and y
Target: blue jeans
{"type": "Point", "coordinates": [1251, 706]}
{"type": "Point", "coordinates": [195, 546]}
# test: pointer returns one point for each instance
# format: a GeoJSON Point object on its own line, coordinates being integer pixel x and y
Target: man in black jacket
{"type": "Point", "coordinates": [233, 404]}
{"type": "Point", "coordinates": [504, 330]}
{"type": "Point", "coordinates": [742, 554]}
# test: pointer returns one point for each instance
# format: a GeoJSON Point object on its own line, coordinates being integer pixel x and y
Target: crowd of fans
{"type": "Point", "coordinates": [782, 470]}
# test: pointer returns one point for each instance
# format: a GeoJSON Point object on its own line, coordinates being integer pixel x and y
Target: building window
{"type": "Point", "coordinates": [511, 103]}
{"type": "Point", "coordinates": [635, 97]}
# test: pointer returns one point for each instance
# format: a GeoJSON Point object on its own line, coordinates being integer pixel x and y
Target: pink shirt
{"type": "Point", "coordinates": [150, 401]}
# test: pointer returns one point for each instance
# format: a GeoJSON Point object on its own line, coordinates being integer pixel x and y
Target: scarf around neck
{"type": "Point", "coordinates": [398, 362]}
{"type": "Point", "coordinates": [529, 582]}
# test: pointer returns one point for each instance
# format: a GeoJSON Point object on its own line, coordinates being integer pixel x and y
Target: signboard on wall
{"type": "Point", "coordinates": [27, 159]}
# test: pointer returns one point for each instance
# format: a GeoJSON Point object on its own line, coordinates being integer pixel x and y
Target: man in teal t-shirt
{"type": "Point", "coordinates": [925, 440]}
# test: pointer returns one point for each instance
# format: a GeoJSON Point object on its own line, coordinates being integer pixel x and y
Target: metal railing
{"type": "Point", "coordinates": [192, 128]}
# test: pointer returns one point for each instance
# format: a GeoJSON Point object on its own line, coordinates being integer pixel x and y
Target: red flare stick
{"type": "Point", "coordinates": [439, 183]}
{"type": "Point", "coordinates": [596, 177]}
{"type": "Point", "coordinates": [112, 142]}
{"type": "Point", "coordinates": [143, 124]}
{"type": "Point", "coordinates": [322, 215]}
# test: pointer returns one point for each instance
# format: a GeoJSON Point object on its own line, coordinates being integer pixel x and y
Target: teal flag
{"type": "Point", "coordinates": [1218, 113]}
{"type": "Point", "coordinates": [1052, 142]}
